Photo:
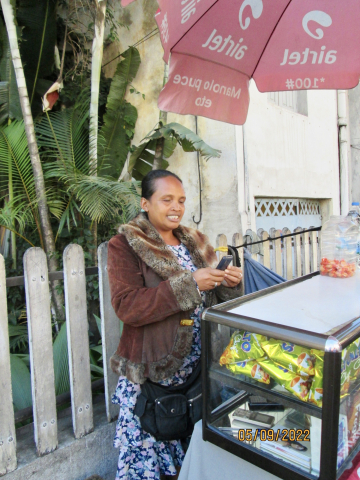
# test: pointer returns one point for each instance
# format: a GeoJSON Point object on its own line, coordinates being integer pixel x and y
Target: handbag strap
{"type": "Point", "coordinates": [184, 386]}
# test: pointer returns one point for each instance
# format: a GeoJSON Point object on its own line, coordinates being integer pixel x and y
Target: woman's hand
{"type": "Point", "coordinates": [208, 278]}
{"type": "Point", "coordinates": [233, 276]}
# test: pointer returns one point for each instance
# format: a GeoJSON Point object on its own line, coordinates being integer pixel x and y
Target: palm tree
{"type": "Point", "coordinates": [47, 233]}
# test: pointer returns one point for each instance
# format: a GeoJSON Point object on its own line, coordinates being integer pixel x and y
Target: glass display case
{"type": "Point", "coordinates": [281, 377]}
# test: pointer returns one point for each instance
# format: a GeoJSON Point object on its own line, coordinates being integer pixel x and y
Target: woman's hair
{"type": "Point", "coordinates": [148, 187]}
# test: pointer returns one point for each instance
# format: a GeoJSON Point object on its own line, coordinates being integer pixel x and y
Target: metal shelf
{"type": "Point", "coordinates": [223, 375]}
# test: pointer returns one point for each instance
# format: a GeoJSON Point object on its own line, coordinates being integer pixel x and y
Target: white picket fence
{"type": "Point", "coordinates": [290, 257]}
{"type": "Point", "coordinates": [41, 351]}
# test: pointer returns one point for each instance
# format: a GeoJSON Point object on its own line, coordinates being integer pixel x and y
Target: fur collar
{"type": "Point", "coordinates": [148, 244]}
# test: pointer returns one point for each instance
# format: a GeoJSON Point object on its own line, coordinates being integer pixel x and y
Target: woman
{"type": "Point", "coordinates": [161, 277]}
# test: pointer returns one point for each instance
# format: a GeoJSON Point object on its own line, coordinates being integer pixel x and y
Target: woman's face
{"type": "Point", "coordinates": [166, 206]}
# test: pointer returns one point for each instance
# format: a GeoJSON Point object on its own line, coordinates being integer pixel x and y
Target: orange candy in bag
{"type": "Point", "coordinates": [337, 268]}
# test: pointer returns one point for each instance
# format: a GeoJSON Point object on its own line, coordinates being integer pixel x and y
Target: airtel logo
{"type": "Point", "coordinates": [319, 17]}
{"type": "Point", "coordinates": [257, 8]}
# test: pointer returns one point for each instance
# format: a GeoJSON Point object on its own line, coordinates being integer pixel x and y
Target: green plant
{"type": "Point", "coordinates": [160, 144]}
{"type": "Point", "coordinates": [120, 118]}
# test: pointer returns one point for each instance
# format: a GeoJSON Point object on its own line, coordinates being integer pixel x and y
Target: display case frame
{"type": "Point", "coordinates": [332, 343]}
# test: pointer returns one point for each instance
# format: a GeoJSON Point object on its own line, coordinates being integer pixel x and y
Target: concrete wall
{"type": "Point", "coordinates": [354, 113]}
{"type": "Point", "coordinates": [73, 459]}
{"type": "Point", "coordinates": [289, 155]}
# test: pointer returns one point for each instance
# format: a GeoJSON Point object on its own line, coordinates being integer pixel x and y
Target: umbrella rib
{"type": "Point", "coordinates": [193, 25]}
{"type": "Point", "coordinates": [270, 36]}
{"type": "Point", "coordinates": [213, 63]}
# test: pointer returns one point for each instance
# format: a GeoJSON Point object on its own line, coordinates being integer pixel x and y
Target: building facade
{"type": "Point", "coordinates": [281, 169]}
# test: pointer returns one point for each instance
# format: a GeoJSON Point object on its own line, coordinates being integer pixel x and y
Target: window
{"type": "Point", "coordinates": [292, 100]}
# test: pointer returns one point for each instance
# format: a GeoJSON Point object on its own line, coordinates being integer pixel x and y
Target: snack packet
{"type": "Point", "coordinates": [354, 359]}
{"type": "Point", "coordinates": [251, 369]}
{"type": "Point", "coordinates": [345, 373]}
{"type": "Point", "coordinates": [243, 346]}
{"type": "Point", "coordinates": [316, 389]}
{"type": "Point", "coordinates": [295, 358]}
{"type": "Point", "coordinates": [292, 382]}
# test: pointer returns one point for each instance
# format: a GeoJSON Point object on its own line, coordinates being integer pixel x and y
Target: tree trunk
{"type": "Point", "coordinates": [48, 236]}
{"type": "Point", "coordinates": [96, 61]}
{"type": "Point", "coordinates": [159, 150]}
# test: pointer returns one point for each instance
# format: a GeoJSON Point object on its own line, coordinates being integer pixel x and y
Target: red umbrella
{"type": "Point", "coordinates": [217, 46]}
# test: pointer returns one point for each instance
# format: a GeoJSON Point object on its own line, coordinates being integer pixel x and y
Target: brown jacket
{"type": "Point", "coordinates": [151, 293]}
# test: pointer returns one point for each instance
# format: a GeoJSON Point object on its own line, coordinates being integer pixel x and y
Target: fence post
{"type": "Point", "coordinates": [41, 350]}
{"type": "Point", "coordinates": [277, 251]}
{"type": "Point", "coordinates": [297, 250]}
{"type": "Point", "coordinates": [239, 240]}
{"type": "Point", "coordinates": [111, 329]}
{"type": "Point", "coordinates": [266, 245]}
{"type": "Point", "coordinates": [78, 340]}
{"type": "Point", "coordinates": [314, 251]}
{"type": "Point", "coordinates": [306, 252]}
{"type": "Point", "coordinates": [288, 254]}
{"type": "Point", "coordinates": [8, 461]}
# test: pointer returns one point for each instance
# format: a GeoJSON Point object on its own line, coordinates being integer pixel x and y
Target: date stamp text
{"type": "Point", "coordinates": [269, 435]}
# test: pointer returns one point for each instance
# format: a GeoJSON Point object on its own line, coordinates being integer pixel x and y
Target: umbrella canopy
{"type": "Point", "coordinates": [256, 276]}
{"type": "Point", "coordinates": [217, 46]}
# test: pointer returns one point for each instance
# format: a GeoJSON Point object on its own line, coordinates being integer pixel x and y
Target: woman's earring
{"type": "Point", "coordinates": [142, 210]}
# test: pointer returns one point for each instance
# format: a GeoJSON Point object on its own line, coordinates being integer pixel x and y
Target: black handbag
{"type": "Point", "coordinates": [170, 413]}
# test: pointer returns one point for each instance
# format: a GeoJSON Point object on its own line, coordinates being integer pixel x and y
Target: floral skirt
{"type": "Point", "coordinates": [141, 456]}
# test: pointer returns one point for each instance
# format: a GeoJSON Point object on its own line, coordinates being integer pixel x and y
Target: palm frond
{"type": "Point", "coordinates": [61, 362]}
{"type": "Point", "coordinates": [101, 198]}
{"type": "Point", "coordinates": [10, 106]}
{"type": "Point", "coordinates": [63, 137]}
{"type": "Point", "coordinates": [18, 335]}
{"type": "Point", "coordinates": [15, 167]}
{"type": "Point", "coordinates": [120, 118]}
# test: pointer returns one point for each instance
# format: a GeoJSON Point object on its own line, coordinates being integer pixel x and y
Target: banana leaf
{"type": "Point", "coordinates": [142, 158]}
{"type": "Point", "coordinates": [20, 382]}
{"type": "Point", "coordinates": [120, 118]}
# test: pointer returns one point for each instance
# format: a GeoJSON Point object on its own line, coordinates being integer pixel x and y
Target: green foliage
{"type": "Point", "coordinates": [20, 382]}
{"type": "Point", "coordinates": [142, 157]}
{"type": "Point", "coordinates": [63, 137]}
{"type": "Point", "coordinates": [18, 335]}
{"type": "Point", "coordinates": [15, 167]}
{"type": "Point", "coordinates": [61, 362]}
{"type": "Point", "coordinates": [10, 103]}
{"type": "Point", "coordinates": [120, 118]}
{"type": "Point", "coordinates": [37, 18]}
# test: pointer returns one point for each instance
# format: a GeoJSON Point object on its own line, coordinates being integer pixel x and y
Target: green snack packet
{"type": "Point", "coordinates": [292, 382]}
{"type": "Point", "coordinates": [243, 346]}
{"type": "Point", "coordinates": [316, 389]}
{"type": "Point", "coordinates": [295, 358]}
{"type": "Point", "coordinates": [251, 369]}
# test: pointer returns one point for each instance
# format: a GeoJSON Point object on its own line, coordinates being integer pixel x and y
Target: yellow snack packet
{"type": "Point", "coordinates": [316, 389]}
{"type": "Point", "coordinates": [242, 346]}
{"type": "Point", "coordinates": [292, 382]}
{"type": "Point", "coordinates": [295, 358]}
{"type": "Point", "coordinates": [251, 369]}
